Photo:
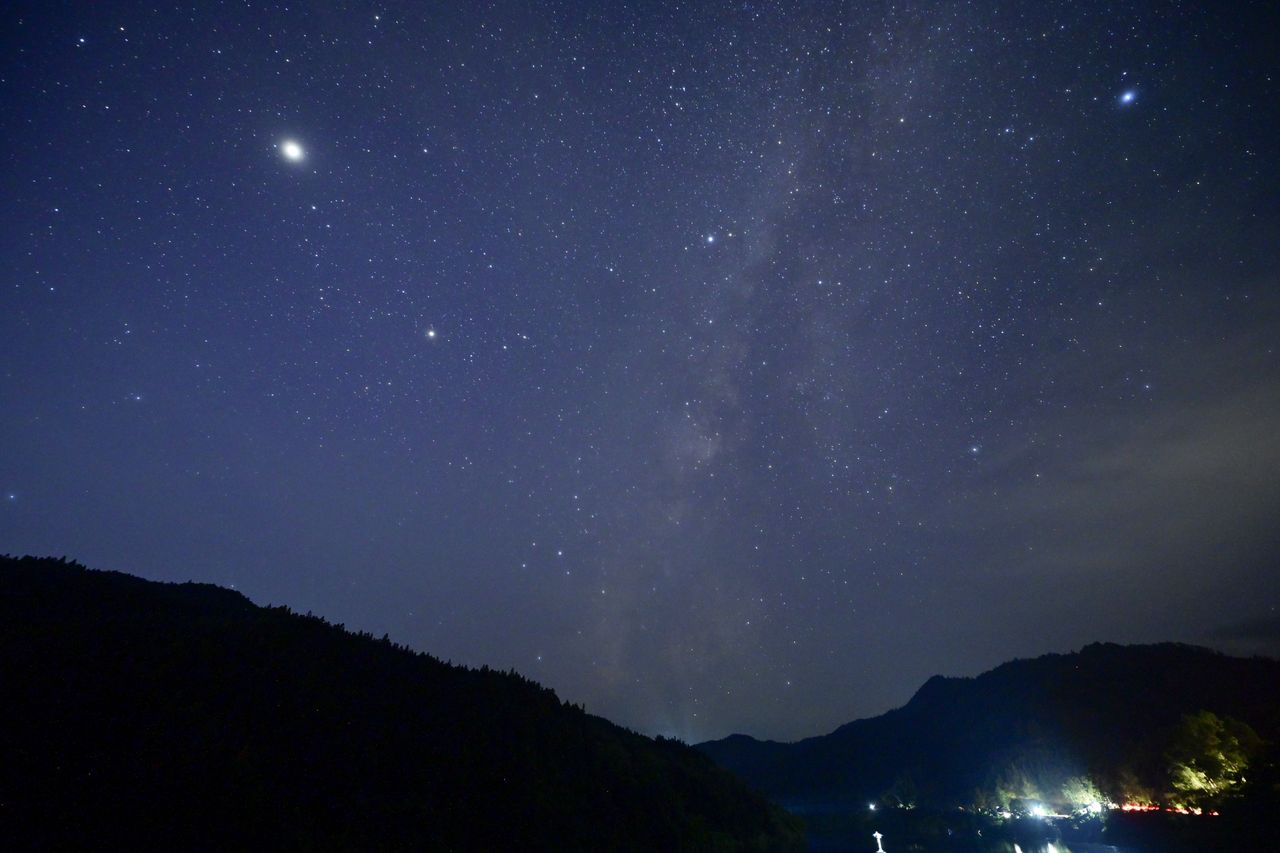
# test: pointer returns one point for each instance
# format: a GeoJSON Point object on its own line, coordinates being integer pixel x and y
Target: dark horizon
{"type": "Point", "coordinates": [1248, 641]}
{"type": "Point", "coordinates": [725, 368]}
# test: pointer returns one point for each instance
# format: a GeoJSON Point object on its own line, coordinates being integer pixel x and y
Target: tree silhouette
{"type": "Point", "coordinates": [141, 715]}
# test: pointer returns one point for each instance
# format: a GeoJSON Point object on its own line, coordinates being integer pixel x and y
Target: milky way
{"type": "Point", "coordinates": [725, 367]}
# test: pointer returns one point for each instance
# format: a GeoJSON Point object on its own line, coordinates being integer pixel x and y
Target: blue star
{"type": "Point", "coordinates": [1128, 97]}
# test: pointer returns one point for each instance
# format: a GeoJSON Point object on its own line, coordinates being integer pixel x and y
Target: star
{"type": "Point", "coordinates": [431, 334]}
{"type": "Point", "coordinates": [292, 151]}
{"type": "Point", "coordinates": [1128, 97]}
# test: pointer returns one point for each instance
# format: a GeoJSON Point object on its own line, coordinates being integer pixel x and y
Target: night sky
{"type": "Point", "coordinates": [723, 366]}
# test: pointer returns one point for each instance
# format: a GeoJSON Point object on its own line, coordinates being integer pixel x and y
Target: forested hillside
{"type": "Point", "coordinates": [146, 715]}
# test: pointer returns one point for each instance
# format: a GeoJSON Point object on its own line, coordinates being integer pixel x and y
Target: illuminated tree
{"type": "Point", "coordinates": [1079, 792]}
{"type": "Point", "coordinates": [1016, 784]}
{"type": "Point", "coordinates": [1208, 757]}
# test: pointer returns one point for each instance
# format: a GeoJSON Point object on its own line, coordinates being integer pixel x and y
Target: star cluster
{"type": "Point", "coordinates": [722, 366]}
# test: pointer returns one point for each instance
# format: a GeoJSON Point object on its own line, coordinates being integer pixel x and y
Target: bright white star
{"type": "Point", "coordinates": [431, 334]}
{"type": "Point", "coordinates": [292, 151]}
{"type": "Point", "coordinates": [1128, 97]}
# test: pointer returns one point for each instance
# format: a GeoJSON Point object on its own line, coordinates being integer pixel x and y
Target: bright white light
{"type": "Point", "coordinates": [711, 238]}
{"type": "Point", "coordinates": [871, 806]}
{"type": "Point", "coordinates": [1095, 808]}
{"type": "Point", "coordinates": [1038, 811]}
{"type": "Point", "coordinates": [292, 151]}
{"type": "Point", "coordinates": [431, 334]}
{"type": "Point", "coordinates": [1128, 97]}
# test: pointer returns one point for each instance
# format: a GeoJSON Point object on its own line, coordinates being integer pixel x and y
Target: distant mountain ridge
{"type": "Point", "coordinates": [141, 715]}
{"type": "Point", "coordinates": [1027, 728]}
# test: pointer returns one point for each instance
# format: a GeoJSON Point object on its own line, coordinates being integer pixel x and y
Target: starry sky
{"type": "Point", "coordinates": [723, 366]}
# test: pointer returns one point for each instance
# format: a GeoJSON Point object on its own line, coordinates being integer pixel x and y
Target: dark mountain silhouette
{"type": "Point", "coordinates": [1106, 715]}
{"type": "Point", "coordinates": [143, 715]}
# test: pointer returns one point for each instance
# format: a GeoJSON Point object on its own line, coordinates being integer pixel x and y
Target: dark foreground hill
{"type": "Point", "coordinates": [1144, 724]}
{"type": "Point", "coordinates": [143, 715]}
